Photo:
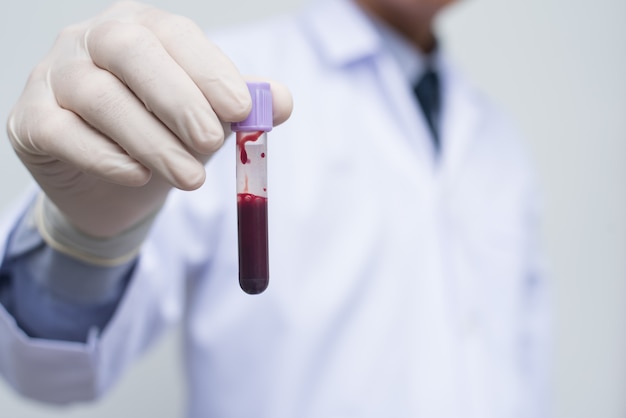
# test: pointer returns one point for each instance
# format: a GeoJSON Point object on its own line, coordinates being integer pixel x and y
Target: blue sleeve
{"type": "Point", "coordinates": [53, 296]}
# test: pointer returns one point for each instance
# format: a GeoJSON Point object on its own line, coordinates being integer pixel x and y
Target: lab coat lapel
{"type": "Point", "coordinates": [344, 36]}
{"type": "Point", "coordinates": [406, 112]}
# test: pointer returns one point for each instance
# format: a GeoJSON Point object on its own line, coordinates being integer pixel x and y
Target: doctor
{"type": "Point", "coordinates": [405, 277]}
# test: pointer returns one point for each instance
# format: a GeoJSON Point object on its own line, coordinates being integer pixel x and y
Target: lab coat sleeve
{"type": "Point", "coordinates": [39, 364]}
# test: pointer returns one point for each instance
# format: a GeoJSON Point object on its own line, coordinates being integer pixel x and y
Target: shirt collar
{"type": "Point", "coordinates": [411, 61]}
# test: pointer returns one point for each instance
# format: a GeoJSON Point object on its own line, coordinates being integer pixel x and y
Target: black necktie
{"type": "Point", "coordinates": [428, 94]}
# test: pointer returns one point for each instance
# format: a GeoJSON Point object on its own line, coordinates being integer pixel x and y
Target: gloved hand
{"type": "Point", "coordinates": [125, 106]}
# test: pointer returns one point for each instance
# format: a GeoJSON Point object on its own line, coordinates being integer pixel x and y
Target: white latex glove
{"type": "Point", "coordinates": [125, 106]}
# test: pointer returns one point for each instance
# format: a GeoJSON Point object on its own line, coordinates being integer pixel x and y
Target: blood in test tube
{"type": "Point", "coordinates": [251, 138]}
{"type": "Point", "coordinates": [253, 243]}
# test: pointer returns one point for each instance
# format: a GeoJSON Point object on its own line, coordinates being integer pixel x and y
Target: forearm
{"type": "Point", "coordinates": [75, 337]}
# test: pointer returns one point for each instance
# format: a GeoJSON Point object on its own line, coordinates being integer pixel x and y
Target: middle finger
{"type": "Point", "coordinates": [136, 57]}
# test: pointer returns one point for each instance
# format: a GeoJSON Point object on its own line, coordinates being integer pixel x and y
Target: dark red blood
{"type": "Point", "coordinates": [253, 243]}
{"type": "Point", "coordinates": [241, 143]}
{"type": "Point", "coordinates": [262, 155]}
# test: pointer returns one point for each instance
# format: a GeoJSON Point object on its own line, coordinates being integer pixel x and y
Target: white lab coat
{"type": "Point", "coordinates": [399, 288]}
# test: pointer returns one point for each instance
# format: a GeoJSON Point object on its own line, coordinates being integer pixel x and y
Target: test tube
{"type": "Point", "coordinates": [251, 140]}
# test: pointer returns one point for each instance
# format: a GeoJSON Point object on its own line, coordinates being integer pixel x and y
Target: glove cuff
{"type": "Point", "coordinates": [60, 234]}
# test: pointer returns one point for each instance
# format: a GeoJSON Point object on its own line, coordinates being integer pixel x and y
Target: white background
{"type": "Point", "coordinates": [557, 66]}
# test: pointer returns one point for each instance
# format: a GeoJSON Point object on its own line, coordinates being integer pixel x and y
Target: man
{"type": "Point", "coordinates": [404, 272]}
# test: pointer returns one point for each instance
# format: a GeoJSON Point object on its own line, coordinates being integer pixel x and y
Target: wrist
{"type": "Point", "coordinates": [59, 233]}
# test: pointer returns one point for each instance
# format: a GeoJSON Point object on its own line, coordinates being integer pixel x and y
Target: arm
{"type": "Point", "coordinates": [126, 106]}
{"type": "Point", "coordinates": [55, 370]}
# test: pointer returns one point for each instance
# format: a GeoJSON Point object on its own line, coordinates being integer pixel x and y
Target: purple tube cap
{"type": "Point", "coordinates": [261, 115]}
